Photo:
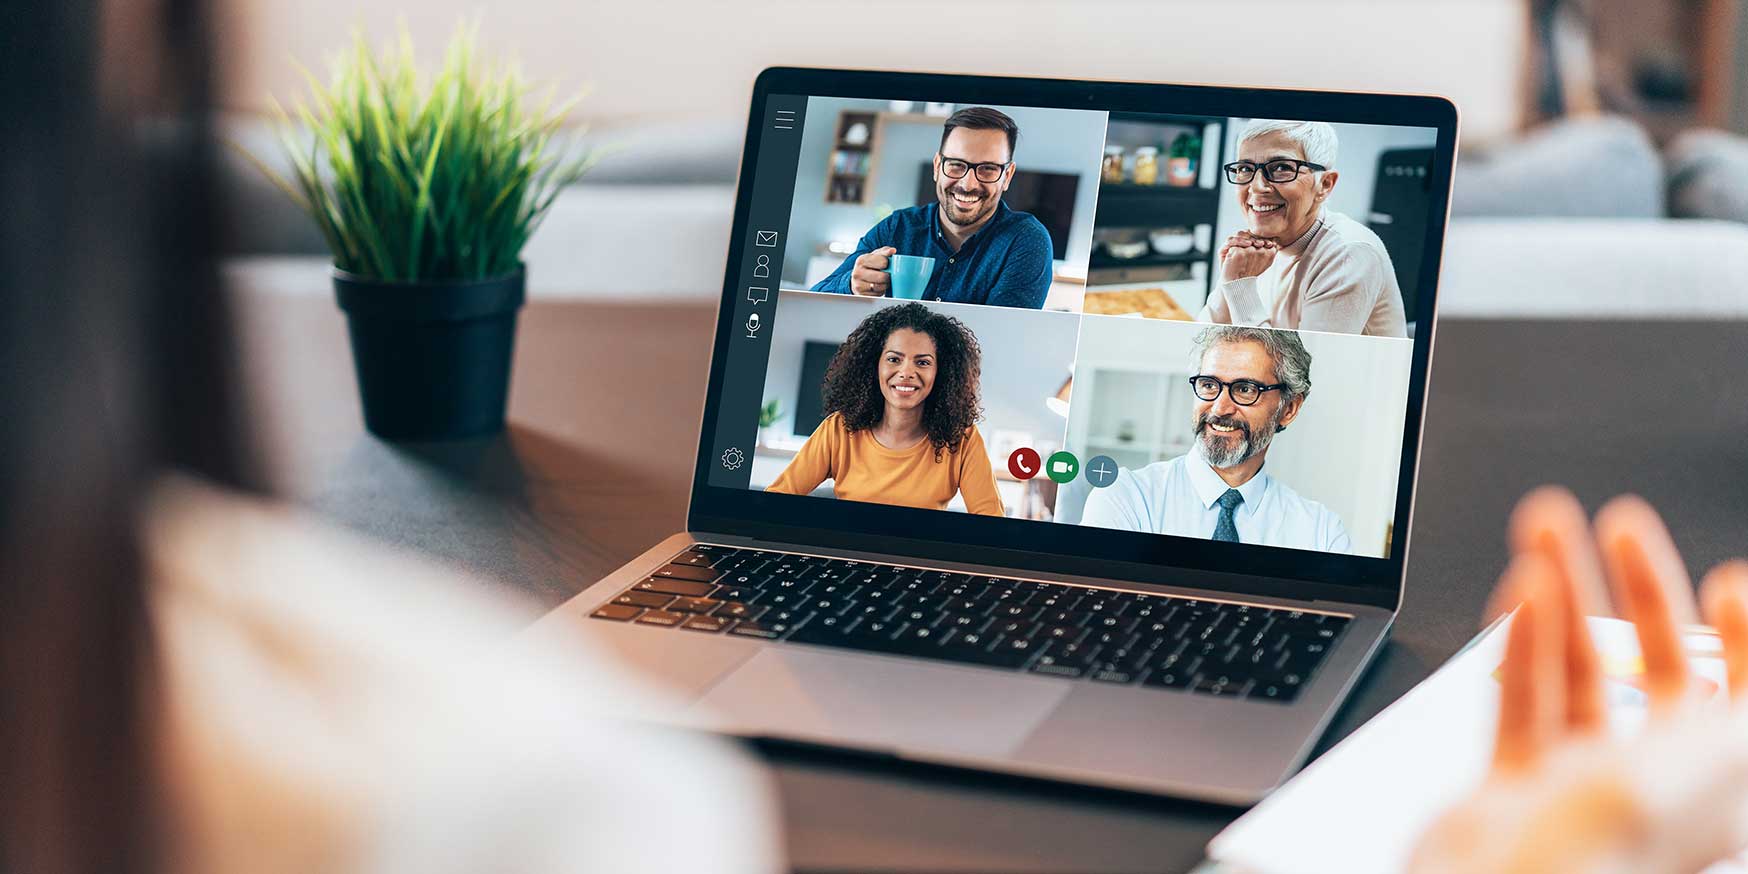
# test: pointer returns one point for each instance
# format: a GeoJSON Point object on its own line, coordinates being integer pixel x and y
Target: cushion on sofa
{"type": "Point", "coordinates": [1594, 167]}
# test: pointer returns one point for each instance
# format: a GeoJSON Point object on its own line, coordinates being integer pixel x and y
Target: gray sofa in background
{"type": "Point", "coordinates": [1573, 220]}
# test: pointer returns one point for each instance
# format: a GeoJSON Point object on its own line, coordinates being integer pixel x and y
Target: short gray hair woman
{"type": "Point", "coordinates": [1297, 264]}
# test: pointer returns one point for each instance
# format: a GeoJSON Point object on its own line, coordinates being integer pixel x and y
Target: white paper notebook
{"type": "Point", "coordinates": [1361, 808]}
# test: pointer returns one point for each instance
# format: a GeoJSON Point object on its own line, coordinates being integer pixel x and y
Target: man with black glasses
{"type": "Point", "coordinates": [1250, 384]}
{"type": "Point", "coordinates": [1297, 264]}
{"type": "Point", "coordinates": [983, 252]}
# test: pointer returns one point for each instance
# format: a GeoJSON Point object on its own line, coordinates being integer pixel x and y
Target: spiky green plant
{"type": "Point", "coordinates": [418, 178]}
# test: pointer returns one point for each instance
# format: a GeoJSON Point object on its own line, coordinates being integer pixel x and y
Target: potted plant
{"type": "Point", "coordinates": [426, 189]}
{"type": "Point", "coordinates": [1186, 150]}
{"type": "Point", "coordinates": [769, 414]}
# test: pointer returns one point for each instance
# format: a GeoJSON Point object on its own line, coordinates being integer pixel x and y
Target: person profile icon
{"type": "Point", "coordinates": [762, 267]}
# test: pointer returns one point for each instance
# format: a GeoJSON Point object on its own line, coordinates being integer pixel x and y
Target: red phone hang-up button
{"type": "Point", "coordinates": [1024, 463]}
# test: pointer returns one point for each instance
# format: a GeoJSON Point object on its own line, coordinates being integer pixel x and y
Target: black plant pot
{"type": "Point", "coordinates": [433, 358]}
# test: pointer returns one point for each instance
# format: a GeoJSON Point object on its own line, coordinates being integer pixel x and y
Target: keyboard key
{"type": "Point", "coordinates": [919, 616]}
{"type": "Point", "coordinates": [688, 588]}
{"type": "Point", "coordinates": [1062, 634]}
{"type": "Point", "coordinates": [863, 575]}
{"type": "Point", "coordinates": [745, 594]}
{"type": "Point", "coordinates": [875, 610]}
{"type": "Point", "coordinates": [1064, 617]}
{"type": "Point", "coordinates": [912, 584]}
{"type": "Point", "coordinates": [965, 621]}
{"type": "Point", "coordinates": [694, 605]}
{"type": "Point", "coordinates": [643, 599]}
{"type": "Point", "coordinates": [687, 572]}
{"type": "Point", "coordinates": [781, 599]}
{"type": "Point", "coordinates": [1057, 600]}
{"type": "Point", "coordinates": [829, 605]}
{"type": "Point", "coordinates": [740, 580]}
{"type": "Point", "coordinates": [1105, 674]}
{"type": "Point", "coordinates": [877, 629]}
{"type": "Point", "coordinates": [1116, 624]}
{"type": "Point", "coordinates": [616, 612]}
{"type": "Point", "coordinates": [705, 623]}
{"type": "Point", "coordinates": [797, 585]}
{"type": "Point", "coordinates": [1044, 665]}
{"type": "Point", "coordinates": [1014, 628]}
{"type": "Point", "coordinates": [1066, 660]}
{"type": "Point", "coordinates": [740, 564]}
{"type": "Point", "coordinates": [828, 630]}
{"type": "Point", "coordinates": [982, 649]}
{"type": "Point", "coordinates": [739, 610]}
{"type": "Point", "coordinates": [766, 630]}
{"type": "Point", "coordinates": [1169, 679]}
{"type": "Point", "coordinates": [693, 559]}
{"type": "Point", "coordinates": [918, 637]}
{"type": "Point", "coordinates": [662, 617]}
{"type": "Point", "coordinates": [1273, 691]}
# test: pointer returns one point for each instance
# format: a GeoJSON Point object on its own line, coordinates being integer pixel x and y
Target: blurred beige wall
{"type": "Point", "coordinates": [671, 59]}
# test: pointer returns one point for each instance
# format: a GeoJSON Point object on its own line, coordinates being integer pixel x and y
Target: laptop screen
{"type": "Point", "coordinates": [1188, 326]}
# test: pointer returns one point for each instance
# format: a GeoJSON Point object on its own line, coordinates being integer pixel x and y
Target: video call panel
{"type": "Point", "coordinates": [1182, 325]}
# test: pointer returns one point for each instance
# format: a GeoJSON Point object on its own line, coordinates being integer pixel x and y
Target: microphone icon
{"type": "Point", "coordinates": [753, 325]}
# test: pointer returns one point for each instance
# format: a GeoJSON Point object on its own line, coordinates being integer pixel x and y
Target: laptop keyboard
{"type": "Point", "coordinates": [1055, 629]}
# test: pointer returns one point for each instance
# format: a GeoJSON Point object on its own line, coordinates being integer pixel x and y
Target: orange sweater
{"type": "Point", "coordinates": [863, 470]}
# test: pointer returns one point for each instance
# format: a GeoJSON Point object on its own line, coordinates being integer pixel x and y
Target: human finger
{"type": "Point", "coordinates": [1550, 522]}
{"type": "Point", "coordinates": [1652, 589]}
{"type": "Point", "coordinates": [1724, 602]}
{"type": "Point", "coordinates": [1530, 683]}
{"type": "Point", "coordinates": [872, 276]}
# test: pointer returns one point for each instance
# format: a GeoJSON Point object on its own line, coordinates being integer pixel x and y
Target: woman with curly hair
{"type": "Point", "coordinates": [901, 398]}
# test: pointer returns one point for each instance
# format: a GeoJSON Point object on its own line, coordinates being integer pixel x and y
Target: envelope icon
{"type": "Point", "coordinates": [768, 239]}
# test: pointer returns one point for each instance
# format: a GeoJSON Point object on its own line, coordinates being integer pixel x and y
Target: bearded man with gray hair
{"type": "Point", "coordinates": [1249, 385]}
{"type": "Point", "coordinates": [1296, 264]}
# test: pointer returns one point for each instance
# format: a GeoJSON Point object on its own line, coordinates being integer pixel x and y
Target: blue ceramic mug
{"type": "Point", "coordinates": [910, 275]}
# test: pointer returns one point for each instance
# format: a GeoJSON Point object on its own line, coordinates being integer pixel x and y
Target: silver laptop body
{"type": "Point", "coordinates": [1127, 735]}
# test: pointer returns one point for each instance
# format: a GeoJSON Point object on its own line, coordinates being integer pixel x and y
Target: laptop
{"type": "Point", "coordinates": [1064, 429]}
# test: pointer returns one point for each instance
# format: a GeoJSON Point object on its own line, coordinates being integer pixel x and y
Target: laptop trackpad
{"type": "Point", "coordinates": [880, 703]}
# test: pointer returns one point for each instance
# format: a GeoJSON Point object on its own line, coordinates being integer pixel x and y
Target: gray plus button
{"type": "Point", "coordinates": [1101, 471]}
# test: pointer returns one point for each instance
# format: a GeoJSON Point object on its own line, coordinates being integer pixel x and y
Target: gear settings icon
{"type": "Point", "coordinates": [733, 458]}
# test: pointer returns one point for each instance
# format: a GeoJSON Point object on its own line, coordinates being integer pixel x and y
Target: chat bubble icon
{"type": "Point", "coordinates": [758, 293]}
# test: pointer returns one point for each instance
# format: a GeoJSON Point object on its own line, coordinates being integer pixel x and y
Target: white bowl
{"type": "Point", "coordinates": [1128, 250]}
{"type": "Point", "coordinates": [1172, 242]}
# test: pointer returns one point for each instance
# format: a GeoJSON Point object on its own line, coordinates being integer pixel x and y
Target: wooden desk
{"type": "Point", "coordinates": [596, 462]}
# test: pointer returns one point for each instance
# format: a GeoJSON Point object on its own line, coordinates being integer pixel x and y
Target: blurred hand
{"type": "Point", "coordinates": [869, 277]}
{"type": "Point", "coordinates": [1245, 255]}
{"type": "Point", "coordinates": [1562, 794]}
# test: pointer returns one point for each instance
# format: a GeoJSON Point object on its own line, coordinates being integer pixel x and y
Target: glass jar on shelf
{"type": "Point", "coordinates": [1112, 171]}
{"type": "Point", "coordinates": [1146, 170]}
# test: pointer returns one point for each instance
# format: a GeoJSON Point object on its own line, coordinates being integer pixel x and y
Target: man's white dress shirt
{"type": "Point", "coordinates": [1181, 497]}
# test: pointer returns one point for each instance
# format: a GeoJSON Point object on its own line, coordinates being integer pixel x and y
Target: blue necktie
{"type": "Point", "coordinates": [1224, 529]}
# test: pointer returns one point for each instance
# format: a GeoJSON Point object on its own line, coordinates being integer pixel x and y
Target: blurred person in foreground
{"type": "Point", "coordinates": [1564, 794]}
{"type": "Point", "coordinates": [195, 680]}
